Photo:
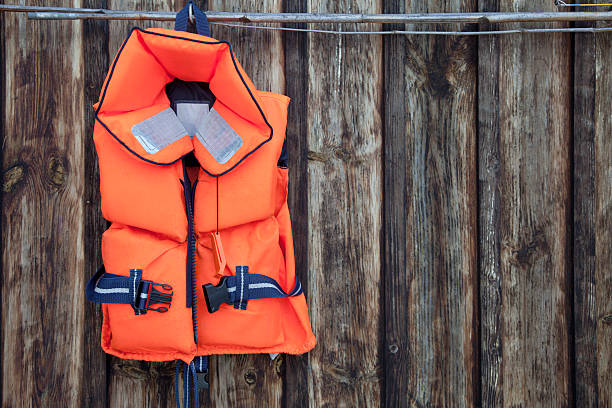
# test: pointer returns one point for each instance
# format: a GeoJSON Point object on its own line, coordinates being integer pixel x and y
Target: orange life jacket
{"type": "Point", "coordinates": [199, 257]}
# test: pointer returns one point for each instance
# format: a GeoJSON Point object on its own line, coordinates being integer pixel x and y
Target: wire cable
{"type": "Point", "coordinates": [560, 3]}
{"type": "Point", "coordinates": [414, 32]}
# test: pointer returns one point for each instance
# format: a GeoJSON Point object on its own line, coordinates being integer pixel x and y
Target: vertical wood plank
{"type": "Point", "coordinates": [489, 215]}
{"type": "Point", "coordinates": [246, 380]}
{"type": "Point", "coordinates": [42, 212]}
{"type": "Point", "coordinates": [240, 380]}
{"type": "Point", "coordinates": [95, 65]}
{"type": "Point", "coordinates": [260, 52]}
{"type": "Point", "coordinates": [141, 384]}
{"type": "Point", "coordinates": [3, 66]}
{"type": "Point", "coordinates": [136, 383]}
{"type": "Point", "coordinates": [296, 72]}
{"type": "Point", "coordinates": [119, 30]}
{"type": "Point", "coordinates": [592, 220]}
{"type": "Point", "coordinates": [430, 217]}
{"type": "Point", "coordinates": [584, 254]}
{"type": "Point", "coordinates": [603, 217]}
{"type": "Point", "coordinates": [532, 248]}
{"type": "Point", "coordinates": [395, 217]}
{"type": "Point", "coordinates": [345, 211]}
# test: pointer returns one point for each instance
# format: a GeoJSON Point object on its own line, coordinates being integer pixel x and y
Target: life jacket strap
{"type": "Point", "coordinates": [239, 289]}
{"type": "Point", "coordinates": [201, 368]}
{"type": "Point", "coordinates": [199, 17]}
{"type": "Point", "coordinates": [195, 376]}
{"type": "Point", "coordinates": [131, 290]}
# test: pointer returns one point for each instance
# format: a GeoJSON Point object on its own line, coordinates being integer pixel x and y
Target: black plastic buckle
{"type": "Point", "coordinates": [202, 378]}
{"type": "Point", "coordinates": [216, 295]}
{"type": "Point", "coordinates": [155, 296]}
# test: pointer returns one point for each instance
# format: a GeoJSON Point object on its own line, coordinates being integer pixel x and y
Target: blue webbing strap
{"type": "Point", "coordinates": [131, 290]}
{"type": "Point", "coordinates": [242, 287]}
{"type": "Point", "coordinates": [201, 22]}
{"type": "Point", "coordinates": [245, 286]}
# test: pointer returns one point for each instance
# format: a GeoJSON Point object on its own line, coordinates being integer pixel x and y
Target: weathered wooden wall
{"type": "Point", "coordinates": [451, 202]}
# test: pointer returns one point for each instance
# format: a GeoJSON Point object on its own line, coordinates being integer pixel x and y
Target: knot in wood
{"type": "Point", "coordinates": [250, 377]}
{"type": "Point", "coordinates": [12, 177]}
{"type": "Point", "coordinates": [56, 171]}
{"type": "Point", "coordinates": [278, 365]}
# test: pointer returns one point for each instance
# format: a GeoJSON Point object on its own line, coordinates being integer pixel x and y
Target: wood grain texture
{"type": "Point", "coordinates": [141, 384]}
{"type": "Point", "coordinates": [533, 181]}
{"type": "Point", "coordinates": [395, 214]}
{"type": "Point", "coordinates": [584, 255]}
{"type": "Point", "coordinates": [396, 242]}
{"type": "Point", "coordinates": [603, 217]}
{"type": "Point", "coordinates": [42, 213]}
{"type": "Point", "coordinates": [95, 65]}
{"type": "Point", "coordinates": [260, 52]}
{"type": "Point", "coordinates": [489, 180]}
{"type": "Point", "coordinates": [592, 220]}
{"type": "Point", "coordinates": [246, 380]}
{"type": "Point", "coordinates": [119, 30]}
{"type": "Point", "coordinates": [345, 212]}
{"type": "Point", "coordinates": [241, 380]}
{"type": "Point", "coordinates": [3, 66]}
{"type": "Point", "coordinates": [296, 74]}
{"type": "Point", "coordinates": [430, 217]}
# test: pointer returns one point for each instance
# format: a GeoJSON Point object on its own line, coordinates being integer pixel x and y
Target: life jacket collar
{"type": "Point", "coordinates": [134, 91]}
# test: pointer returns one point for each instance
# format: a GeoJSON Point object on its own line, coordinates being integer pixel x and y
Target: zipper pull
{"type": "Point", "coordinates": [218, 253]}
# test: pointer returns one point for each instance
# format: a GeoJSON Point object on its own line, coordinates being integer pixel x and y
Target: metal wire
{"type": "Point", "coordinates": [224, 18]}
{"type": "Point", "coordinates": [441, 33]}
{"type": "Point", "coordinates": [58, 13]}
{"type": "Point", "coordinates": [560, 3]}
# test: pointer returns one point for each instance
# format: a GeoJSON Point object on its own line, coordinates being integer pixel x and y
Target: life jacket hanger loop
{"type": "Point", "coordinates": [192, 15]}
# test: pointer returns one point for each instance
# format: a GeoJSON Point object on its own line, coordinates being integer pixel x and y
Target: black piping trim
{"type": "Point", "coordinates": [110, 75]}
{"type": "Point", "coordinates": [132, 151]}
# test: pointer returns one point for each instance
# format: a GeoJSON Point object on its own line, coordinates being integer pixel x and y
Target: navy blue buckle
{"type": "Point", "coordinates": [216, 295]}
{"type": "Point", "coordinates": [153, 296]}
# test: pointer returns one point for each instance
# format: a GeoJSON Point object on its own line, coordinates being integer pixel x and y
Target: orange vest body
{"type": "Point", "coordinates": [143, 195]}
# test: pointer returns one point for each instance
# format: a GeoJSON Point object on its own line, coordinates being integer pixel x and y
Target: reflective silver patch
{"type": "Point", "coordinates": [190, 114]}
{"type": "Point", "coordinates": [159, 131]}
{"type": "Point", "coordinates": [218, 137]}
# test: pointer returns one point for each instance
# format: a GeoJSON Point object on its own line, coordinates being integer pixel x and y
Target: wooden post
{"type": "Point", "coordinates": [489, 218]}
{"type": "Point", "coordinates": [603, 218]}
{"type": "Point", "coordinates": [345, 213]}
{"type": "Point", "coordinates": [525, 211]}
{"type": "Point", "coordinates": [430, 217]}
{"type": "Point", "coordinates": [585, 305]}
{"type": "Point", "coordinates": [43, 255]}
{"type": "Point", "coordinates": [296, 73]}
{"type": "Point", "coordinates": [95, 65]}
{"type": "Point", "coordinates": [592, 223]}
